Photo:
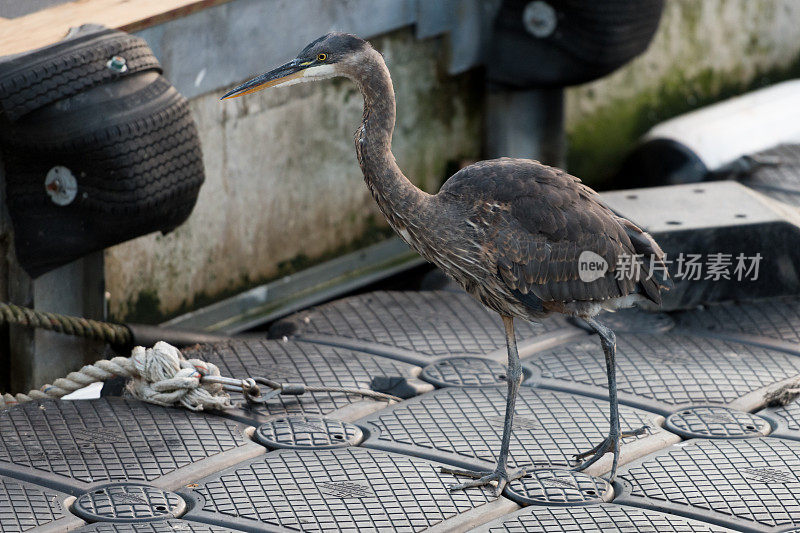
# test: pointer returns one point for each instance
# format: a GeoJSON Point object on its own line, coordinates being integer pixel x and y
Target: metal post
{"type": "Point", "coordinates": [525, 123]}
{"type": "Point", "coordinates": [78, 288]}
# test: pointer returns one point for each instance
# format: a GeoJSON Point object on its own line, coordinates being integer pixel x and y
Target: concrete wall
{"type": "Point", "coordinates": [703, 51]}
{"type": "Point", "coordinates": [283, 188]}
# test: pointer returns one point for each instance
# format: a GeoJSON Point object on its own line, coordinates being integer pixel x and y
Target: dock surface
{"type": "Point", "coordinates": [715, 456]}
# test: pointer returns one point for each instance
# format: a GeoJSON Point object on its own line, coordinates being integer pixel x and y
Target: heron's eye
{"type": "Point", "coordinates": [322, 57]}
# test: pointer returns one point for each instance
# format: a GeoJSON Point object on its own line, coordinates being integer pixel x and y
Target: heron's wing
{"type": "Point", "coordinates": [529, 262]}
{"type": "Point", "coordinates": [537, 221]}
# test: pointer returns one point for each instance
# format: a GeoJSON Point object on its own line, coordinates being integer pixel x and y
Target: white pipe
{"type": "Point", "coordinates": [723, 132]}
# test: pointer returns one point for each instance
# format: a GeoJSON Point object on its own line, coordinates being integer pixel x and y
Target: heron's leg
{"type": "Point", "coordinates": [611, 444]}
{"type": "Point", "coordinates": [500, 473]}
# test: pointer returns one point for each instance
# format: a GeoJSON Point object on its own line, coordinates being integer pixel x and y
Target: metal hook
{"type": "Point", "coordinates": [246, 386]}
{"type": "Point", "coordinates": [292, 389]}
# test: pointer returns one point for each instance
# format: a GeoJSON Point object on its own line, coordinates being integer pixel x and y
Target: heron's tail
{"type": "Point", "coordinates": [655, 276]}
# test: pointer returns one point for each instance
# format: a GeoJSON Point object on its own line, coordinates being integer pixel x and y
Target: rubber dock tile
{"type": "Point", "coordinates": [352, 489]}
{"type": "Point", "coordinates": [27, 507]}
{"type": "Point", "coordinates": [128, 502]}
{"type": "Point", "coordinates": [419, 326]}
{"type": "Point", "coordinates": [717, 422]}
{"type": "Point", "coordinates": [160, 526]}
{"type": "Point", "coordinates": [745, 484]}
{"type": "Point", "coordinates": [310, 364]}
{"type": "Point", "coordinates": [602, 518]}
{"type": "Point", "coordinates": [463, 427]}
{"type": "Point", "coordinates": [559, 486]}
{"type": "Point", "coordinates": [632, 321]}
{"type": "Point", "coordinates": [669, 371]}
{"type": "Point", "coordinates": [75, 445]}
{"type": "Point", "coordinates": [307, 432]}
{"type": "Point", "coordinates": [768, 322]}
{"type": "Point", "coordinates": [465, 372]}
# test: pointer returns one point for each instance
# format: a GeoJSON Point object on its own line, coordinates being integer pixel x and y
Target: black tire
{"type": "Point", "coordinates": [590, 39]}
{"type": "Point", "coordinates": [31, 81]}
{"type": "Point", "coordinates": [132, 147]}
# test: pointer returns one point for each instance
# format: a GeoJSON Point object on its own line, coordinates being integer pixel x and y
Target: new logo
{"type": "Point", "coordinates": [591, 266]}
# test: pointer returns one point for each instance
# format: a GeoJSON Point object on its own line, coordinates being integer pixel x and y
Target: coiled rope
{"type": "Point", "coordinates": [162, 376]}
{"type": "Point", "coordinates": [159, 375]}
{"type": "Point", "coordinates": [69, 325]}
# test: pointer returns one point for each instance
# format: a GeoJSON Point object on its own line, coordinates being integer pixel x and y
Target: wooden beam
{"type": "Point", "coordinates": [51, 25]}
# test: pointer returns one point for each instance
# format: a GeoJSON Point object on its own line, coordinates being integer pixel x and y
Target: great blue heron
{"type": "Point", "coordinates": [509, 231]}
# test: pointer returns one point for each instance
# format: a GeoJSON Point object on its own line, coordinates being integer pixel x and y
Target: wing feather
{"type": "Point", "coordinates": [539, 220]}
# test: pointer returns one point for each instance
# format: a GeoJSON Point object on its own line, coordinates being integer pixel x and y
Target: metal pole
{"type": "Point", "coordinates": [525, 123]}
{"type": "Point", "coordinates": [38, 356]}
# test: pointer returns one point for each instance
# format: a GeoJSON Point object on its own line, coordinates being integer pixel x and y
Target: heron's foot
{"type": "Point", "coordinates": [609, 444]}
{"type": "Point", "coordinates": [500, 476]}
{"type": "Point", "coordinates": [634, 433]}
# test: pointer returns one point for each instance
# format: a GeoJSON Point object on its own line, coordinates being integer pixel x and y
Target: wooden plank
{"type": "Point", "coordinates": [50, 25]}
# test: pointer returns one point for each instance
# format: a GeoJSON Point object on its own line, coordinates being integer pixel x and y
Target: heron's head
{"type": "Point", "coordinates": [326, 57]}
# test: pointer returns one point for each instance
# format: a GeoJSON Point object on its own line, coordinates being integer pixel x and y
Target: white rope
{"type": "Point", "coordinates": [159, 375]}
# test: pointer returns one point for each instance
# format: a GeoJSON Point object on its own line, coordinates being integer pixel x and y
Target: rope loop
{"type": "Point", "coordinates": [159, 375]}
{"type": "Point", "coordinates": [164, 377]}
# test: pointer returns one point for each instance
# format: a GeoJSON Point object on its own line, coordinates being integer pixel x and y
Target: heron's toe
{"type": "Point", "coordinates": [609, 444]}
{"type": "Point", "coordinates": [500, 478]}
{"type": "Point", "coordinates": [635, 433]}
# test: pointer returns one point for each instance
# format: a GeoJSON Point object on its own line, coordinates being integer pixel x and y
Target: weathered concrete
{"type": "Point", "coordinates": [283, 186]}
{"type": "Point", "coordinates": [702, 52]}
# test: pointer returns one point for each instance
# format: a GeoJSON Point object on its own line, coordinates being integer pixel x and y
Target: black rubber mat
{"type": "Point", "coordinates": [668, 371]}
{"type": "Point", "coordinates": [465, 372]}
{"type": "Point", "coordinates": [160, 526]}
{"type": "Point", "coordinates": [310, 364]}
{"type": "Point", "coordinates": [556, 486]}
{"type": "Point", "coordinates": [463, 427]}
{"type": "Point", "coordinates": [633, 321]}
{"type": "Point", "coordinates": [361, 464]}
{"type": "Point", "coordinates": [128, 502]}
{"type": "Point", "coordinates": [416, 326]}
{"type": "Point", "coordinates": [773, 321]}
{"type": "Point", "coordinates": [352, 489]}
{"type": "Point", "coordinates": [716, 422]}
{"type": "Point", "coordinates": [25, 507]}
{"type": "Point", "coordinates": [776, 173]}
{"type": "Point", "coordinates": [750, 484]}
{"type": "Point", "coordinates": [75, 445]}
{"type": "Point", "coordinates": [785, 420]}
{"type": "Point", "coordinates": [602, 518]}
{"type": "Point", "coordinates": [303, 432]}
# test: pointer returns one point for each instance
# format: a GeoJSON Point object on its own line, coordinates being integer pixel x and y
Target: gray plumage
{"type": "Point", "coordinates": [509, 231]}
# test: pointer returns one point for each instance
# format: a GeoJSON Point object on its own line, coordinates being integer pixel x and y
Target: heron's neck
{"type": "Point", "coordinates": [398, 198]}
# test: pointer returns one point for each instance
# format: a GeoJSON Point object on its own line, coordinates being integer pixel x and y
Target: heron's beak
{"type": "Point", "coordinates": [290, 71]}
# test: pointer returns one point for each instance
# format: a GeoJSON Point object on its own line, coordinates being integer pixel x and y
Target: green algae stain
{"type": "Point", "coordinates": [598, 143]}
{"type": "Point", "coordinates": [146, 307]}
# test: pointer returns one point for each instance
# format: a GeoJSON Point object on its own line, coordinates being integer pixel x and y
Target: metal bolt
{"type": "Point", "coordinates": [540, 19]}
{"type": "Point", "coordinates": [61, 185]}
{"type": "Point", "coordinates": [118, 64]}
